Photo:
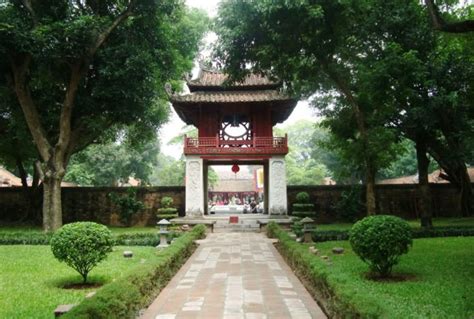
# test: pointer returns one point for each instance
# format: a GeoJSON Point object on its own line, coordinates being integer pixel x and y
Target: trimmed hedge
{"type": "Point", "coordinates": [314, 276]}
{"type": "Point", "coordinates": [446, 231]}
{"type": "Point", "coordinates": [24, 238]}
{"type": "Point", "coordinates": [132, 239]}
{"type": "Point", "coordinates": [149, 239]}
{"type": "Point", "coordinates": [128, 294]}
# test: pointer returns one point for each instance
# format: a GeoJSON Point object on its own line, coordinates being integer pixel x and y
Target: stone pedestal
{"type": "Point", "coordinates": [194, 187]}
{"type": "Point", "coordinates": [277, 201]}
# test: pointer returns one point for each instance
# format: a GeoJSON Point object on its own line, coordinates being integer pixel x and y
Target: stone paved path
{"type": "Point", "coordinates": [234, 275]}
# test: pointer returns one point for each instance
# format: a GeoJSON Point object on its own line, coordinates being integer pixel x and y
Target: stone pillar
{"type": "Point", "coordinates": [277, 201]}
{"type": "Point", "coordinates": [194, 187]}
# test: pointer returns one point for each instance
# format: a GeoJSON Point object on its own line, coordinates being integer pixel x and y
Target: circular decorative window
{"type": "Point", "coordinates": [236, 131]}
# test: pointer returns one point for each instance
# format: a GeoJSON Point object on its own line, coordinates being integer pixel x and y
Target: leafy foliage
{"type": "Point", "coordinates": [128, 205]}
{"type": "Point", "coordinates": [380, 241]}
{"type": "Point", "coordinates": [167, 210]}
{"type": "Point", "coordinates": [439, 293]}
{"type": "Point", "coordinates": [82, 245]}
{"type": "Point", "coordinates": [302, 197]}
{"type": "Point", "coordinates": [302, 207]}
{"type": "Point", "coordinates": [69, 62]}
{"type": "Point", "coordinates": [302, 166]}
{"type": "Point", "coordinates": [124, 297]}
{"type": "Point", "coordinates": [375, 69]}
{"type": "Point", "coordinates": [113, 163]}
{"type": "Point", "coordinates": [350, 204]}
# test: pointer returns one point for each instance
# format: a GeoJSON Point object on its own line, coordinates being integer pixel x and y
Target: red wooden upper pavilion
{"type": "Point", "coordinates": [233, 120]}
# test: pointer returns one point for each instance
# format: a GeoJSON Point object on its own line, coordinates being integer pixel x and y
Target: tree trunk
{"type": "Point", "coordinates": [465, 192]}
{"type": "Point", "coordinates": [370, 190]}
{"type": "Point", "coordinates": [424, 186]}
{"type": "Point", "coordinates": [52, 213]}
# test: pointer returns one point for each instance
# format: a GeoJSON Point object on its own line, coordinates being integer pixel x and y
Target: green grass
{"type": "Point", "coordinates": [443, 286]}
{"type": "Point", "coordinates": [31, 278]}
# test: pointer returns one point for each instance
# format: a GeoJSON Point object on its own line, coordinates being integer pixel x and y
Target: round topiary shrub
{"type": "Point", "coordinates": [82, 245]}
{"type": "Point", "coordinates": [302, 197]}
{"type": "Point", "coordinates": [380, 241]}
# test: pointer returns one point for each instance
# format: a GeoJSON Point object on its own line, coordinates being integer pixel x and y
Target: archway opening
{"type": "Point", "coordinates": [236, 189]}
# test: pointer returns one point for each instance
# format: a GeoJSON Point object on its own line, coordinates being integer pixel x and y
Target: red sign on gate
{"type": "Point", "coordinates": [233, 219]}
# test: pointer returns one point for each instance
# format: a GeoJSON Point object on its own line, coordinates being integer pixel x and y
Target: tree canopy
{"type": "Point", "coordinates": [82, 69]}
{"type": "Point", "coordinates": [380, 71]}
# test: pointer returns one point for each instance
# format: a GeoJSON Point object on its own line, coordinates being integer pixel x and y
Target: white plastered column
{"type": "Point", "coordinates": [194, 187]}
{"type": "Point", "coordinates": [277, 202]}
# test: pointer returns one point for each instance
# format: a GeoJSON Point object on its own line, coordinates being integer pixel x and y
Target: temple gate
{"type": "Point", "coordinates": [235, 127]}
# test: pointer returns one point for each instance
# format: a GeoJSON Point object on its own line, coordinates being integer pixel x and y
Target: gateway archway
{"type": "Point", "coordinates": [236, 189]}
{"type": "Point", "coordinates": [235, 127]}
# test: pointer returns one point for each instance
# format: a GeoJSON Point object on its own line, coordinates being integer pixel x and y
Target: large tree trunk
{"type": "Point", "coordinates": [370, 190]}
{"type": "Point", "coordinates": [424, 186]}
{"type": "Point", "coordinates": [455, 172]}
{"type": "Point", "coordinates": [465, 190]}
{"type": "Point", "coordinates": [344, 88]}
{"type": "Point", "coordinates": [52, 212]}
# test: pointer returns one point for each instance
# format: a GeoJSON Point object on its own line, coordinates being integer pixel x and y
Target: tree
{"type": "Point", "coordinates": [424, 80]}
{"type": "Point", "coordinates": [406, 163]}
{"type": "Point", "coordinates": [18, 154]}
{"type": "Point", "coordinates": [79, 69]}
{"type": "Point", "coordinates": [113, 163]}
{"type": "Point", "coordinates": [376, 64]}
{"type": "Point", "coordinates": [258, 34]}
{"type": "Point", "coordinates": [440, 24]}
{"type": "Point", "coordinates": [301, 167]}
{"type": "Point", "coordinates": [168, 171]}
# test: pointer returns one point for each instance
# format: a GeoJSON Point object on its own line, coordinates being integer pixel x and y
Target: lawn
{"type": "Point", "coordinates": [31, 278]}
{"type": "Point", "coordinates": [442, 285]}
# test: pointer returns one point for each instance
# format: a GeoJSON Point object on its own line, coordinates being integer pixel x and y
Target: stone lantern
{"type": "Point", "coordinates": [308, 228]}
{"type": "Point", "coordinates": [163, 231]}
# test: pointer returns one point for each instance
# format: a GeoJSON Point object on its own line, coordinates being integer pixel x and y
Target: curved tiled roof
{"type": "Point", "coordinates": [209, 78]}
{"type": "Point", "coordinates": [230, 96]}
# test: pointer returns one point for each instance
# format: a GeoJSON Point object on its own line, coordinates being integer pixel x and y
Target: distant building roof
{"type": "Point", "coordinates": [7, 179]}
{"type": "Point", "coordinates": [243, 181]}
{"type": "Point", "coordinates": [434, 178]}
{"type": "Point", "coordinates": [236, 185]}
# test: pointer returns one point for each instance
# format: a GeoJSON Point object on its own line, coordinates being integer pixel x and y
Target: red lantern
{"type": "Point", "coordinates": [235, 168]}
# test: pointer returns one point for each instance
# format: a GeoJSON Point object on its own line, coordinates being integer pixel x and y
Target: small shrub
{"type": "Point", "coordinates": [302, 207]}
{"type": "Point", "coordinates": [167, 211]}
{"type": "Point", "coordinates": [297, 227]}
{"type": "Point", "coordinates": [302, 197]}
{"type": "Point", "coordinates": [128, 204]}
{"type": "Point", "coordinates": [124, 297]}
{"type": "Point", "coordinates": [82, 246]}
{"type": "Point", "coordinates": [380, 241]}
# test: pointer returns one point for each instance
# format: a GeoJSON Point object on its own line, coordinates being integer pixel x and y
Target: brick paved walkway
{"type": "Point", "coordinates": [234, 275]}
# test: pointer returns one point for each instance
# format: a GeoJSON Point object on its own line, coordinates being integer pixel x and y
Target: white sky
{"type": "Point", "coordinates": [173, 127]}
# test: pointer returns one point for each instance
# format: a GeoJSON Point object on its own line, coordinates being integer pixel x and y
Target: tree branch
{"type": "Point", "coordinates": [29, 7]}
{"type": "Point", "coordinates": [28, 106]}
{"type": "Point", "coordinates": [106, 33]}
{"type": "Point", "coordinates": [77, 72]}
{"type": "Point", "coordinates": [441, 25]}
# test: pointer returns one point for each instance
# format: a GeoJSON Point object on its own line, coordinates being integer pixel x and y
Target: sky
{"type": "Point", "coordinates": [174, 126]}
